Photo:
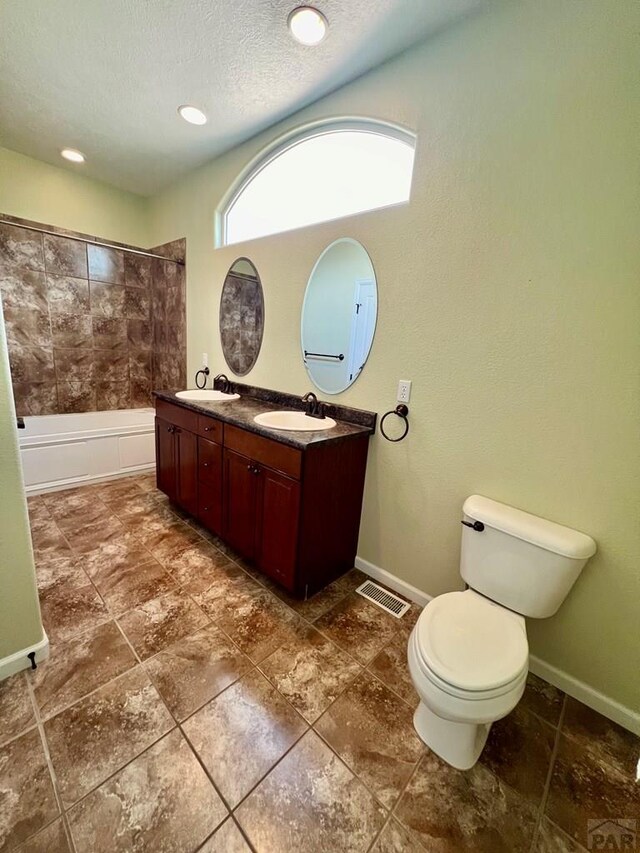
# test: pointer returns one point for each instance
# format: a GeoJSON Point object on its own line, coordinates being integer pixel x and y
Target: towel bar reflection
{"type": "Point", "coordinates": [339, 357]}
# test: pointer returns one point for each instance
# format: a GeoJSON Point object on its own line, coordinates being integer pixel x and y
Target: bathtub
{"type": "Point", "coordinates": [58, 451]}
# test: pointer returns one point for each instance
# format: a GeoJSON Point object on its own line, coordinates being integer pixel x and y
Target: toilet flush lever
{"type": "Point", "coordinates": [476, 525]}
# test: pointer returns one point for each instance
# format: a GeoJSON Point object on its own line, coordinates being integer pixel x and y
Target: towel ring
{"type": "Point", "coordinates": [401, 411]}
{"type": "Point", "coordinates": [205, 373]}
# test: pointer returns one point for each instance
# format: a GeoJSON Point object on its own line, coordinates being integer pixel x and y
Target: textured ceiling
{"type": "Point", "coordinates": [107, 77]}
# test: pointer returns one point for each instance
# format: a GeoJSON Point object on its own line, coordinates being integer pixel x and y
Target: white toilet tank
{"type": "Point", "coordinates": [521, 561]}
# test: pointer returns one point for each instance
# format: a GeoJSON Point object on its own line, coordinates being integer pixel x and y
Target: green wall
{"type": "Point", "coordinates": [20, 625]}
{"type": "Point", "coordinates": [31, 189]}
{"type": "Point", "coordinates": [508, 293]}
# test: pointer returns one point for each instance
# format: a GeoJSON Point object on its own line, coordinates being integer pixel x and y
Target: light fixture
{"type": "Point", "coordinates": [73, 155]}
{"type": "Point", "coordinates": [307, 25]}
{"type": "Point", "coordinates": [192, 114]}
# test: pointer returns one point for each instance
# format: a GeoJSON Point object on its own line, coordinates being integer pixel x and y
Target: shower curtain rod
{"type": "Point", "coordinates": [90, 242]}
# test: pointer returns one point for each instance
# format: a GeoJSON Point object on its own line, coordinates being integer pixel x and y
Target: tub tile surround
{"type": "Point", "coordinates": [90, 327]}
{"type": "Point", "coordinates": [161, 720]}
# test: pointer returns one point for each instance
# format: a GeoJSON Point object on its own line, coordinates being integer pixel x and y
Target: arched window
{"type": "Point", "coordinates": [325, 171]}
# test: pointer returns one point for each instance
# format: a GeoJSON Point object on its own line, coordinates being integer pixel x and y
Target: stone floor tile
{"type": "Point", "coordinates": [130, 585]}
{"type": "Point", "coordinates": [68, 611]}
{"type": "Point", "coordinates": [358, 627]}
{"type": "Point", "coordinates": [371, 729]}
{"type": "Point", "coordinates": [585, 787]}
{"type": "Point", "coordinates": [311, 802]}
{"type": "Point", "coordinates": [160, 622]}
{"type": "Point", "coordinates": [241, 734]}
{"type": "Point", "coordinates": [519, 750]}
{"type": "Point", "coordinates": [192, 671]}
{"type": "Point", "coordinates": [95, 737]}
{"type": "Point", "coordinates": [310, 671]}
{"type": "Point", "coordinates": [472, 811]}
{"type": "Point", "coordinates": [226, 839]}
{"type": "Point", "coordinates": [16, 710]}
{"type": "Point", "coordinates": [603, 739]}
{"type": "Point", "coordinates": [79, 666]}
{"type": "Point", "coordinates": [551, 839]}
{"type": "Point", "coordinates": [392, 668]}
{"type": "Point", "coordinates": [542, 699]}
{"type": "Point", "coordinates": [27, 800]}
{"type": "Point", "coordinates": [259, 624]}
{"type": "Point", "coordinates": [51, 839]}
{"type": "Point", "coordinates": [395, 838]}
{"type": "Point", "coordinates": [162, 801]}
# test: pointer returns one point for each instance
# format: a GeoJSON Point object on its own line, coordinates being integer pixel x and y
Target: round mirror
{"type": "Point", "coordinates": [241, 316]}
{"type": "Point", "coordinates": [339, 315]}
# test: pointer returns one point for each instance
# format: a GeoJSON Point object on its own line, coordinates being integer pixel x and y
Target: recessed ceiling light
{"type": "Point", "coordinates": [73, 155]}
{"type": "Point", "coordinates": [307, 25]}
{"type": "Point", "coordinates": [192, 114]}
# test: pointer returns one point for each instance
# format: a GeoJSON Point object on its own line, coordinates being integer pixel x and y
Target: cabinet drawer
{"type": "Point", "coordinates": [210, 428]}
{"type": "Point", "coordinates": [184, 418]}
{"type": "Point", "coordinates": [209, 462]}
{"type": "Point", "coordinates": [210, 506]}
{"type": "Point", "coordinates": [274, 455]}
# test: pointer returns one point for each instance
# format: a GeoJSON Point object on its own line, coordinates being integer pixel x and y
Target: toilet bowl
{"type": "Point", "coordinates": [468, 659]}
{"type": "Point", "coordinates": [468, 653]}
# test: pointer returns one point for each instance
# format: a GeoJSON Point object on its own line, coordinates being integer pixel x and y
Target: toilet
{"type": "Point", "coordinates": [468, 652]}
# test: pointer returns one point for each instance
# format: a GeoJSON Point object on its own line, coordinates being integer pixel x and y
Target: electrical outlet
{"type": "Point", "coordinates": [404, 391]}
{"type": "Point", "coordinates": [205, 359]}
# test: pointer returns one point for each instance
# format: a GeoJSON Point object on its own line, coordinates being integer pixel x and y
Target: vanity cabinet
{"type": "Point", "coordinates": [292, 512]}
{"type": "Point", "coordinates": [176, 454]}
{"type": "Point", "coordinates": [261, 513]}
{"type": "Point", "coordinates": [188, 466]}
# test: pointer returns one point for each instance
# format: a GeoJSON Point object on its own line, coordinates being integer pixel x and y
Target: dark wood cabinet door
{"type": "Point", "coordinates": [187, 470]}
{"type": "Point", "coordinates": [240, 492]}
{"type": "Point", "coordinates": [210, 485]}
{"type": "Point", "coordinates": [277, 528]}
{"type": "Point", "coordinates": [165, 458]}
{"type": "Point", "coordinates": [209, 462]}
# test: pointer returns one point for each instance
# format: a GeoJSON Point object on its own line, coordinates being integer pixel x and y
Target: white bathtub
{"type": "Point", "coordinates": [59, 451]}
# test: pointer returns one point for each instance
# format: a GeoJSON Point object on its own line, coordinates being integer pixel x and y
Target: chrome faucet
{"type": "Point", "coordinates": [221, 382]}
{"type": "Point", "coordinates": [314, 408]}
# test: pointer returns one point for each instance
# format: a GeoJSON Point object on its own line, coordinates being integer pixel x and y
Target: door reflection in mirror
{"type": "Point", "coordinates": [339, 316]}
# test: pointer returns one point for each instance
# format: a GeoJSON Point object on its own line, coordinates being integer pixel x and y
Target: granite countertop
{"type": "Point", "coordinates": [241, 413]}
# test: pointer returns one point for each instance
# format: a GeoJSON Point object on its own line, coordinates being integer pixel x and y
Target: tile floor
{"type": "Point", "coordinates": [188, 704]}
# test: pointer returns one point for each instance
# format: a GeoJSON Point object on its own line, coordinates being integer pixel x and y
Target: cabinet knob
{"type": "Point", "coordinates": [205, 464]}
{"type": "Point", "coordinates": [207, 429]}
{"type": "Point", "coordinates": [205, 509]}
{"type": "Point", "coordinates": [171, 429]}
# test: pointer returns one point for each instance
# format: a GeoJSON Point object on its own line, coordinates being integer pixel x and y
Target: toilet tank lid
{"type": "Point", "coordinates": [530, 528]}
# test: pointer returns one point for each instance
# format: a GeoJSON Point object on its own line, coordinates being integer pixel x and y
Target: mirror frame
{"type": "Point", "coordinates": [304, 304]}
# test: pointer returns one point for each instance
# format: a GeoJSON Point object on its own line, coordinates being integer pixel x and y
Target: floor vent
{"type": "Point", "coordinates": [393, 604]}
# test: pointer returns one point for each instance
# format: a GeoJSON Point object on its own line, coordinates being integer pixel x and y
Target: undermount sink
{"type": "Point", "coordinates": [204, 395]}
{"type": "Point", "coordinates": [296, 421]}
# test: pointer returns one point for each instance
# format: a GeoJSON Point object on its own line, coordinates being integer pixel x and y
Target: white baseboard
{"type": "Point", "coordinates": [393, 582]}
{"type": "Point", "coordinates": [19, 660]}
{"type": "Point", "coordinates": [620, 714]}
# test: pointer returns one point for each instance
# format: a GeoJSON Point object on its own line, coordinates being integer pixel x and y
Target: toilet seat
{"type": "Point", "coordinates": [470, 647]}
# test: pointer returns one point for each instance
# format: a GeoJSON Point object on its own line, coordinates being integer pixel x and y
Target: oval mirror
{"type": "Point", "coordinates": [241, 316]}
{"type": "Point", "coordinates": [339, 315]}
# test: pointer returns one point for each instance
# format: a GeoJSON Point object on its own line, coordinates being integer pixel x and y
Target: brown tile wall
{"type": "Point", "coordinates": [89, 327]}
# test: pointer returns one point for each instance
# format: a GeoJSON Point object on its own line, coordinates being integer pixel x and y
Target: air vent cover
{"type": "Point", "coordinates": [393, 604]}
